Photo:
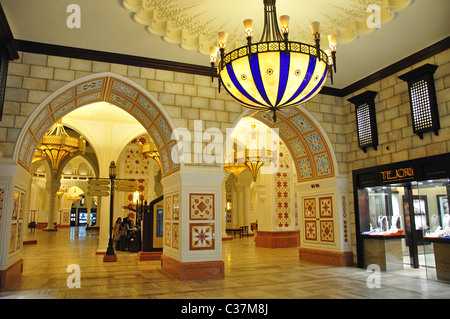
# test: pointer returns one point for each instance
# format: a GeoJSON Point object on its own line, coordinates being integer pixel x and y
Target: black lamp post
{"type": "Point", "coordinates": [112, 177]}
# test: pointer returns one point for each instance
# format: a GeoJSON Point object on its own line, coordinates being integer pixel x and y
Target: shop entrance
{"type": "Point", "coordinates": [389, 214]}
{"type": "Point", "coordinates": [404, 224]}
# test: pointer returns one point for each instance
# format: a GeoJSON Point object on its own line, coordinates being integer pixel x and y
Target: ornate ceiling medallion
{"type": "Point", "coordinates": [194, 24]}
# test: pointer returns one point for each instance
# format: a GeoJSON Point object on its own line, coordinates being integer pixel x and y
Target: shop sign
{"type": "Point", "coordinates": [400, 174]}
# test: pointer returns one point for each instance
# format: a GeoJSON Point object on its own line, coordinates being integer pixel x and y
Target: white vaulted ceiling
{"type": "Point", "coordinates": [183, 30]}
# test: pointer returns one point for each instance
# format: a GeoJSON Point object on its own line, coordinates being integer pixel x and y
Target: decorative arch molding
{"type": "Point", "coordinates": [310, 148]}
{"type": "Point", "coordinates": [308, 144]}
{"type": "Point", "coordinates": [107, 87]}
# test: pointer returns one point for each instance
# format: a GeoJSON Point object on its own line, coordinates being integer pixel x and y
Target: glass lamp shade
{"type": "Point", "coordinates": [57, 144]}
{"type": "Point", "coordinates": [271, 77]}
{"type": "Point", "coordinates": [112, 170]}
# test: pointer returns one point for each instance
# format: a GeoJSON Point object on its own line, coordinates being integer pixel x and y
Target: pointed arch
{"type": "Point", "coordinates": [107, 87]}
{"type": "Point", "coordinates": [308, 144]}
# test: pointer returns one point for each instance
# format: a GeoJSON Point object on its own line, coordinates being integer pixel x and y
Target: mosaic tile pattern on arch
{"type": "Point", "coordinates": [108, 89]}
{"type": "Point", "coordinates": [306, 143]}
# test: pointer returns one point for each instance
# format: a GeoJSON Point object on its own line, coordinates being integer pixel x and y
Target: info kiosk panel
{"type": "Point", "coordinates": [158, 212]}
{"type": "Point", "coordinates": [402, 217]}
{"type": "Point", "coordinates": [152, 240]}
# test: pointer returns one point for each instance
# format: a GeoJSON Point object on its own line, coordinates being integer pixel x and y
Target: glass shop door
{"type": "Point", "coordinates": [431, 217]}
{"type": "Point", "coordinates": [385, 212]}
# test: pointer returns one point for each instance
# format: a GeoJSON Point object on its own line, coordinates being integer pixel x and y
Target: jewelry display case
{"type": "Point", "coordinates": [402, 216]}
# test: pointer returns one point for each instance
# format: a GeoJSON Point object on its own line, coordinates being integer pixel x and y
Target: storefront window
{"type": "Point", "coordinates": [431, 207]}
{"type": "Point", "coordinates": [402, 216]}
{"type": "Point", "coordinates": [385, 210]}
{"type": "Point", "coordinates": [407, 218]}
{"type": "Point", "coordinates": [432, 218]}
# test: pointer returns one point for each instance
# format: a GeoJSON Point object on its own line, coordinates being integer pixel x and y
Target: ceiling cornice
{"type": "Point", "coordinates": [6, 36]}
{"type": "Point", "coordinates": [410, 60]}
{"type": "Point", "coordinates": [102, 56]}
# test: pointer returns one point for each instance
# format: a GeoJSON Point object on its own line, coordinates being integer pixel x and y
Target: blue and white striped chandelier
{"type": "Point", "coordinates": [274, 73]}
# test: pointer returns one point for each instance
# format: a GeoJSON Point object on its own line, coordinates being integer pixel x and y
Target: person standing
{"type": "Point", "coordinates": [123, 232]}
{"type": "Point", "coordinates": [116, 235]}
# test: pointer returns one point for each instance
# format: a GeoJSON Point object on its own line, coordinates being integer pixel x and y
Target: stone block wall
{"type": "Point", "coordinates": [189, 97]}
{"type": "Point", "coordinates": [397, 142]}
{"type": "Point", "coordinates": [186, 97]}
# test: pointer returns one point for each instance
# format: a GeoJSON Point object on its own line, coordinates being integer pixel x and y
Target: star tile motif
{"type": "Point", "coordinates": [326, 207]}
{"type": "Point", "coordinates": [202, 237]}
{"type": "Point", "coordinates": [310, 230]}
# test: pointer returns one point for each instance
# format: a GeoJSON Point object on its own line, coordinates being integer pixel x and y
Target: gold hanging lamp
{"type": "Point", "coordinates": [232, 165]}
{"type": "Point", "coordinates": [253, 156]}
{"type": "Point", "coordinates": [57, 144]}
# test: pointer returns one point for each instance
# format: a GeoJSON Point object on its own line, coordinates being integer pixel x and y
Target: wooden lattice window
{"type": "Point", "coordinates": [422, 97]}
{"type": "Point", "coordinates": [366, 120]}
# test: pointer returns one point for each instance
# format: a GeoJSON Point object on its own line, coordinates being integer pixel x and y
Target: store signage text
{"type": "Point", "coordinates": [398, 174]}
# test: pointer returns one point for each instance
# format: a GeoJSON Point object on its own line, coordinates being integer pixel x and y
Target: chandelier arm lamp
{"type": "Point", "coordinates": [274, 73]}
{"type": "Point", "coordinates": [233, 166]}
{"type": "Point", "coordinates": [57, 144]}
{"type": "Point", "coordinates": [149, 150]}
{"type": "Point", "coordinates": [252, 157]}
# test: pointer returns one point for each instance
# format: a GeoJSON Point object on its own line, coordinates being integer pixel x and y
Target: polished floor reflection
{"type": "Point", "coordinates": [250, 272]}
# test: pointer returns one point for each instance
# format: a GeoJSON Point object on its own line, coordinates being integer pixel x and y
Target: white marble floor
{"type": "Point", "coordinates": [250, 272]}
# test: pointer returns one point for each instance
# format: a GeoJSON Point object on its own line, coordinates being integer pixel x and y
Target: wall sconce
{"type": "Point", "coordinates": [136, 197]}
{"type": "Point", "coordinates": [366, 119]}
{"type": "Point", "coordinates": [422, 97]}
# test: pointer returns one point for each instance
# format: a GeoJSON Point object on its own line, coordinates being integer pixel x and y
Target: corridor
{"type": "Point", "coordinates": [250, 272]}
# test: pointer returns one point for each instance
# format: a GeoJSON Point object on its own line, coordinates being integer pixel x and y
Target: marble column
{"type": "Point", "coordinates": [234, 207]}
{"type": "Point", "coordinates": [88, 201]}
{"type": "Point", "coordinates": [246, 194]}
{"type": "Point", "coordinates": [53, 186]}
{"type": "Point", "coordinates": [224, 211]}
{"type": "Point", "coordinates": [193, 237]}
{"type": "Point", "coordinates": [240, 210]}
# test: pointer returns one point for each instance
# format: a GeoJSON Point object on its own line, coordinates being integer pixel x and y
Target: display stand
{"type": "Point", "coordinates": [152, 231]}
{"type": "Point", "coordinates": [384, 251]}
{"type": "Point", "coordinates": [441, 247]}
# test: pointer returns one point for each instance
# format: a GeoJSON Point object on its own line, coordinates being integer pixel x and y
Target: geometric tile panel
{"type": "Point", "coordinates": [2, 198]}
{"type": "Point", "coordinates": [175, 235]}
{"type": "Point", "coordinates": [168, 234]}
{"type": "Point", "coordinates": [322, 164]}
{"type": "Point", "coordinates": [310, 230]}
{"type": "Point", "coordinates": [318, 218]}
{"type": "Point", "coordinates": [201, 206]}
{"type": "Point", "coordinates": [304, 169]}
{"type": "Point", "coordinates": [283, 209]}
{"type": "Point", "coordinates": [176, 207]}
{"type": "Point", "coordinates": [284, 158]}
{"type": "Point", "coordinates": [345, 220]}
{"type": "Point", "coordinates": [285, 130]}
{"type": "Point", "coordinates": [168, 208]}
{"type": "Point", "coordinates": [104, 88]}
{"type": "Point", "coordinates": [15, 238]}
{"type": "Point", "coordinates": [326, 231]}
{"type": "Point", "coordinates": [202, 236]}
{"type": "Point", "coordinates": [315, 142]}
{"type": "Point", "coordinates": [297, 147]}
{"type": "Point", "coordinates": [309, 205]}
{"type": "Point", "coordinates": [302, 123]}
{"type": "Point", "coordinates": [326, 207]}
